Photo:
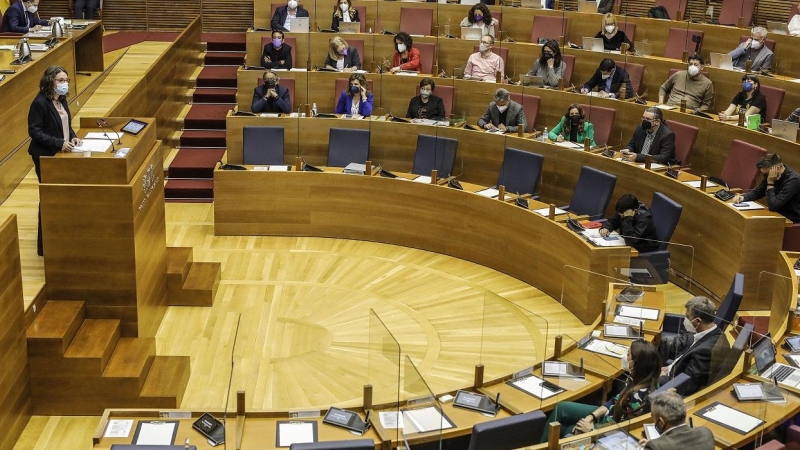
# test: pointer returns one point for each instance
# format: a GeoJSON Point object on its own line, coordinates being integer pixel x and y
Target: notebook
{"type": "Point", "coordinates": [592, 43]}
{"type": "Point", "coordinates": [722, 61]}
{"type": "Point", "coordinates": [768, 367]}
{"type": "Point", "coordinates": [471, 33]}
{"type": "Point", "coordinates": [777, 27]}
{"type": "Point", "coordinates": [299, 25]}
{"type": "Point", "coordinates": [784, 129]}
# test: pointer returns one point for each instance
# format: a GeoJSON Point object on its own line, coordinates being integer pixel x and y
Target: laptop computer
{"type": "Point", "coordinates": [349, 27]}
{"type": "Point", "coordinates": [532, 81]}
{"type": "Point", "coordinates": [722, 61]}
{"type": "Point", "coordinates": [471, 33]}
{"type": "Point", "coordinates": [587, 6]}
{"type": "Point", "coordinates": [299, 25]}
{"type": "Point", "coordinates": [784, 129]}
{"type": "Point", "coordinates": [777, 27]}
{"type": "Point", "coordinates": [531, 4]}
{"type": "Point", "coordinates": [768, 367]}
{"type": "Point", "coordinates": [593, 44]}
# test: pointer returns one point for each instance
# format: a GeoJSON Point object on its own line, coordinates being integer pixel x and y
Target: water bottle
{"type": "Point", "coordinates": [544, 135]}
{"type": "Point", "coordinates": [314, 110]}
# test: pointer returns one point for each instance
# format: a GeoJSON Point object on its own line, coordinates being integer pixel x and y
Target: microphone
{"type": "Point", "coordinates": [119, 135]}
{"type": "Point", "coordinates": [230, 381]}
{"type": "Point", "coordinates": [497, 403]}
{"type": "Point", "coordinates": [100, 124]}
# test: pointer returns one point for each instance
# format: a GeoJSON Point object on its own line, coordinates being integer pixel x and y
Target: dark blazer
{"type": "Point", "coordinates": [346, 102]}
{"type": "Point", "coordinates": [515, 116]}
{"type": "Point", "coordinates": [662, 149]}
{"type": "Point", "coordinates": [337, 17]}
{"type": "Point", "coordinates": [14, 19]}
{"type": "Point", "coordinates": [619, 78]}
{"type": "Point", "coordinates": [639, 231]}
{"type": "Point", "coordinates": [699, 438]}
{"type": "Point", "coordinates": [276, 56]}
{"type": "Point", "coordinates": [280, 16]}
{"type": "Point", "coordinates": [434, 107]}
{"type": "Point", "coordinates": [699, 360]}
{"type": "Point", "coordinates": [282, 104]}
{"type": "Point", "coordinates": [351, 59]}
{"type": "Point", "coordinates": [44, 127]}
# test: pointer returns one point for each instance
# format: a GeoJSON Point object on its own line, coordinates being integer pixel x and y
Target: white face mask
{"type": "Point", "coordinates": [344, 7]}
{"type": "Point", "coordinates": [610, 29]}
{"type": "Point", "coordinates": [693, 70]}
{"type": "Point", "coordinates": [483, 47]}
{"type": "Point", "coordinates": [401, 48]}
{"type": "Point", "coordinates": [689, 325]}
{"type": "Point", "coordinates": [605, 76]}
{"type": "Point", "coordinates": [425, 93]}
{"type": "Point", "coordinates": [626, 365]}
{"type": "Point", "coordinates": [292, 4]}
{"type": "Point", "coordinates": [502, 108]}
{"type": "Point", "coordinates": [33, 9]}
{"type": "Point", "coordinates": [755, 45]}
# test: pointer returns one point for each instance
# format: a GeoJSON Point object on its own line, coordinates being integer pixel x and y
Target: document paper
{"type": "Point", "coordinates": [155, 433]}
{"type": "Point", "coordinates": [735, 419]}
{"type": "Point", "coordinates": [606, 348]}
{"type": "Point", "coordinates": [747, 206]}
{"type": "Point", "coordinates": [533, 385]}
{"type": "Point", "coordinates": [546, 211]}
{"type": "Point", "coordinates": [638, 313]}
{"type": "Point", "coordinates": [295, 433]}
{"type": "Point", "coordinates": [391, 419]}
{"type": "Point", "coordinates": [118, 428]}
{"type": "Point", "coordinates": [426, 419]}
{"type": "Point", "coordinates": [93, 145]}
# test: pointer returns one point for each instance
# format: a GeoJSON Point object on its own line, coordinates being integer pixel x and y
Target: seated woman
{"type": "Point", "coordinates": [343, 11]}
{"type": "Point", "coordinates": [549, 65]}
{"type": "Point", "coordinates": [426, 105]}
{"type": "Point", "coordinates": [749, 101]}
{"type": "Point", "coordinates": [612, 36]}
{"type": "Point", "coordinates": [270, 97]}
{"type": "Point", "coordinates": [573, 127]}
{"type": "Point", "coordinates": [276, 54]}
{"type": "Point", "coordinates": [356, 100]}
{"type": "Point", "coordinates": [405, 57]}
{"type": "Point", "coordinates": [633, 221]}
{"type": "Point", "coordinates": [643, 364]}
{"type": "Point", "coordinates": [479, 16]}
{"type": "Point", "coordinates": [341, 57]}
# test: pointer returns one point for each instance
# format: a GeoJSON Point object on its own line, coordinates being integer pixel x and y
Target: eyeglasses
{"type": "Point", "coordinates": [62, 80]}
{"type": "Point", "coordinates": [486, 42]}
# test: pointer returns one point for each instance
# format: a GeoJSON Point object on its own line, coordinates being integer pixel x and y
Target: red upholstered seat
{"type": "Point", "coordinates": [569, 60]}
{"type": "Point", "coordinates": [629, 28]}
{"type": "Point", "coordinates": [673, 6]}
{"type": "Point", "coordinates": [427, 55]}
{"type": "Point", "coordinates": [774, 97]}
{"type": "Point", "coordinates": [733, 9]}
{"type": "Point", "coordinates": [416, 21]}
{"type": "Point", "coordinates": [685, 138]}
{"type": "Point", "coordinates": [603, 121]}
{"type": "Point", "coordinates": [530, 103]}
{"type": "Point", "coordinates": [680, 39]}
{"type": "Point", "coordinates": [740, 169]}
{"type": "Point", "coordinates": [550, 27]}
{"type": "Point", "coordinates": [635, 72]}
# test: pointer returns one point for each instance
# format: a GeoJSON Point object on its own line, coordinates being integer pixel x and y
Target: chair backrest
{"type": "Point", "coordinates": [666, 214]}
{"type": "Point", "coordinates": [352, 444]}
{"type": "Point", "coordinates": [550, 27]}
{"type": "Point", "coordinates": [290, 41]}
{"type": "Point", "coordinates": [520, 171]}
{"type": "Point", "coordinates": [262, 145]}
{"type": "Point", "coordinates": [730, 304]}
{"type": "Point", "coordinates": [795, 10]}
{"type": "Point", "coordinates": [569, 60]}
{"type": "Point", "coordinates": [362, 16]}
{"type": "Point", "coordinates": [602, 119]}
{"type": "Point", "coordinates": [680, 39]}
{"type": "Point", "coordinates": [341, 84]}
{"type": "Point", "coordinates": [435, 152]}
{"type": "Point", "coordinates": [509, 432]}
{"type": "Point", "coordinates": [769, 43]}
{"type": "Point", "coordinates": [742, 341]}
{"type": "Point", "coordinates": [416, 21]}
{"type": "Point", "coordinates": [288, 83]}
{"type": "Point", "coordinates": [635, 72]}
{"type": "Point", "coordinates": [447, 94]}
{"type": "Point", "coordinates": [499, 51]}
{"type": "Point", "coordinates": [740, 169]}
{"type": "Point", "coordinates": [499, 16]}
{"type": "Point", "coordinates": [593, 192]}
{"type": "Point", "coordinates": [358, 44]}
{"type": "Point", "coordinates": [675, 383]}
{"type": "Point", "coordinates": [685, 138]}
{"type": "Point", "coordinates": [774, 97]}
{"type": "Point", "coordinates": [672, 7]}
{"type": "Point", "coordinates": [629, 28]}
{"type": "Point", "coordinates": [732, 10]}
{"type": "Point", "coordinates": [347, 146]}
{"type": "Point", "coordinates": [530, 103]}
{"type": "Point", "coordinates": [427, 54]}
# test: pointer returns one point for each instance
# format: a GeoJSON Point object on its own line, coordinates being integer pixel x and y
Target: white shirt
{"type": "Point", "coordinates": [289, 16]}
{"type": "Point", "coordinates": [354, 108]}
{"type": "Point", "coordinates": [340, 64]}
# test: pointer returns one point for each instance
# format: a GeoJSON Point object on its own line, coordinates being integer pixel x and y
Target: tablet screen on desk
{"type": "Point", "coordinates": [134, 127]}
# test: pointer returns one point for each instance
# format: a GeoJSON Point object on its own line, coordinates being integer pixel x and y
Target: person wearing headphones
{"type": "Point", "coordinates": [271, 97]}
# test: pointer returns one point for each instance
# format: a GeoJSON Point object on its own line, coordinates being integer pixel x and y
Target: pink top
{"type": "Point", "coordinates": [484, 68]}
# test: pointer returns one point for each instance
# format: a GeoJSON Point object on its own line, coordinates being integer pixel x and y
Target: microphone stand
{"type": "Point", "coordinates": [113, 148]}
{"type": "Point", "coordinates": [119, 134]}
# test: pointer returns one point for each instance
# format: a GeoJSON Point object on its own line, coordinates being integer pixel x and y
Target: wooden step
{"type": "Point", "coordinates": [87, 355]}
{"type": "Point", "coordinates": [200, 286]}
{"type": "Point", "coordinates": [130, 362]}
{"type": "Point", "coordinates": [54, 328]}
{"type": "Point", "coordinates": [179, 259]}
{"type": "Point", "coordinates": [166, 382]}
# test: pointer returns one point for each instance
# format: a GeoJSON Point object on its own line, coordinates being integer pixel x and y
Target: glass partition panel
{"type": "Point", "coordinates": [424, 417]}
{"type": "Point", "coordinates": [384, 374]}
{"type": "Point", "coordinates": [778, 294]}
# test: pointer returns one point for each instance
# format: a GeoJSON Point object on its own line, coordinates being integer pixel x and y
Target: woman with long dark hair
{"type": "Point", "coordinates": [573, 127]}
{"type": "Point", "coordinates": [549, 65]}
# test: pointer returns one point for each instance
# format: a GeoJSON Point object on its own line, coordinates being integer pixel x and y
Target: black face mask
{"type": "Point", "coordinates": [271, 84]}
{"type": "Point", "coordinates": [574, 120]}
{"type": "Point", "coordinates": [548, 56]}
{"type": "Point", "coordinates": [646, 125]}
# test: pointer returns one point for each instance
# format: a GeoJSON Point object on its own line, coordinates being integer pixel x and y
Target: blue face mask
{"type": "Point", "coordinates": [62, 88]}
{"type": "Point", "coordinates": [747, 86]}
{"type": "Point", "coordinates": [355, 89]}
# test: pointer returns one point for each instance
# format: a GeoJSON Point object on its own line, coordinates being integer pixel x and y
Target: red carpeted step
{"type": "Point", "coordinates": [214, 95]}
{"type": "Point", "coordinates": [206, 117]}
{"type": "Point", "coordinates": [225, 42]}
{"type": "Point", "coordinates": [194, 189]}
{"type": "Point", "coordinates": [195, 162]}
{"type": "Point", "coordinates": [217, 77]}
{"type": "Point", "coordinates": [224, 58]}
{"type": "Point", "coordinates": [203, 138]}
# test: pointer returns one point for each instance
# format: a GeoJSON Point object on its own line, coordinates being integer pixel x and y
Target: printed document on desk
{"type": "Point", "coordinates": [101, 135]}
{"type": "Point", "coordinates": [391, 419]}
{"type": "Point", "coordinates": [696, 184]}
{"type": "Point", "coordinates": [746, 206]}
{"type": "Point", "coordinates": [612, 240]}
{"type": "Point", "coordinates": [606, 348]}
{"type": "Point", "coordinates": [425, 419]}
{"type": "Point", "coordinates": [546, 211]}
{"type": "Point", "coordinates": [637, 312]}
{"type": "Point", "coordinates": [730, 418]}
{"type": "Point", "coordinates": [155, 433]}
{"type": "Point", "coordinates": [569, 144]}
{"type": "Point", "coordinates": [296, 432]}
{"type": "Point", "coordinates": [93, 145]}
{"type": "Point", "coordinates": [534, 386]}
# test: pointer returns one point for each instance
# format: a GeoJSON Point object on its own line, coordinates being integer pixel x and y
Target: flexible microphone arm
{"type": "Point", "coordinates": [119, 134]}
{"type": "Point", "coordinates": [100, 124]}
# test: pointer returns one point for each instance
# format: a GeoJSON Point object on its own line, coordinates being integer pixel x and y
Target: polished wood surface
{"type": "Point", "coordinates": [15, 391]}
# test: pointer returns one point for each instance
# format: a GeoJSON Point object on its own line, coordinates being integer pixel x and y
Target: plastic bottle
{"type": "Point", "coordinates": [544, 135]}
{"type": "Point", "coordinates": [314, 110]}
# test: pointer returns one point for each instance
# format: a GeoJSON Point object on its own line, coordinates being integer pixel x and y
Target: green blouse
{"type": "Point", "coordinates": [588, 131]}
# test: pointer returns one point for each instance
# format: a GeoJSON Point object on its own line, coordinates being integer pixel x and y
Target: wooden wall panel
{"type": "Point", "coordinates": [15, 400]}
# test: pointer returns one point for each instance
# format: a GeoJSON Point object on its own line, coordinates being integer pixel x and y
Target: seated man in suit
{"type": "Point", "coordinates": [20, 17]}
{"type": "Point", "coordinates": [755, 50]}
{"type": "Point", "coordinates": [780, 185]}
{"type": "Point", "coordinates": [669, 415]}
{"type": "Point", "coordinates": [280, 21]}
{"type": "Point", "coordinates": [503, 114]}
{"type": "Point", "coordinates": [609, 78]}
{"type": "Point", "coordinates": [276, 54]}
{"type": "Point", "coordinates": [271, 97]}
{"type": "Point", "coordinates": [699, 352]}
{"type": "Point", "coordinates": [690, 85]}
{"type": "Point", "coordinates": [652, 137]}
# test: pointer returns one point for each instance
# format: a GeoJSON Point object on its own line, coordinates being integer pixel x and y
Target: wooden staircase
{"type": "Point", "coordinates": [190, 283]}
{"type": "Point", "coordinates": [82, 366]}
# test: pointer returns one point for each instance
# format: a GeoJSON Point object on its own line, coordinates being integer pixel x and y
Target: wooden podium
{"type": "Point", "coordinates": [103, 229]}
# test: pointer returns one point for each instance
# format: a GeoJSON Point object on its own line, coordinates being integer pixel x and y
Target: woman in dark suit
{"type": "Point", "coordinates": [426, 105]}
{"type": "Point", "coordinates": [341, 57]}
{"type": "Point", "coordinates": [49, 126]}
{"type": "Point", "coordinates": [356, 99]}
{"type": "Point", "coordinates": [343, 12]}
